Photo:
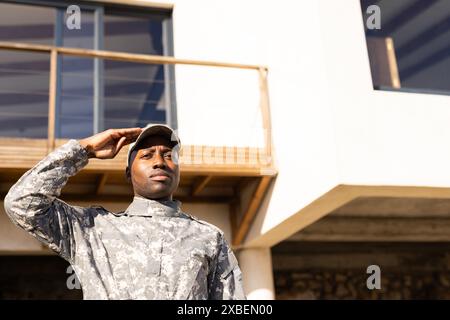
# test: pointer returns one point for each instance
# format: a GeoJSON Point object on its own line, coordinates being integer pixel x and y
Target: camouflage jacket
{"type": "Point", "coordinates": [152, 250]}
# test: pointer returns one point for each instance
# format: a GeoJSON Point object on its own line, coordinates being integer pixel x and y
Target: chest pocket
{"type": "Point", "coordinates": [130, 252]}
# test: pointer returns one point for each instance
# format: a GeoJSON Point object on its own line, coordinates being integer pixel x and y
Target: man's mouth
{"type": "Point", "coordinates": [160, 176]}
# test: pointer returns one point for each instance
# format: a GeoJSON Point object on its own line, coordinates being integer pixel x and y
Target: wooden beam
{"type": "Point", "coordinates": [200, 185]}
{"type": "Point", "coordinates": [265, 112]}
{"type": "Point", "coordinates": [52, 100]}
{"type": "Point", "coordinates": [101, 183]}
{"type": "Point", "coordinates": [251, 211]}
{"type": "Point", "coordinates": [233, 215]}
{"type": "Point", "coordinates": [392, 61]}
{"type": "Point", "coordinates": [123, 56]}
{"type": "Point", "coordinates": [236, 203]}
{"type": "Point", "coordinates": [383, 62]}
{"type": "Point", "coordinates": [25, 47]}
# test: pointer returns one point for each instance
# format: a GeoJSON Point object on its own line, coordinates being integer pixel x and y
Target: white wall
{"type": "Point", "coordinates": [14, 240]}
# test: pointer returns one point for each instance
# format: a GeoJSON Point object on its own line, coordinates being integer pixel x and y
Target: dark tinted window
{"type": "Point", "coordinates": [133, 34]}
{"type": "Point", "coordinates": [24, 94]}
{"type": "Point", "coordinates": [134, 94]}
{"type": "Point", "coordinates": [91, 95]}
{"type": "Point", "coordinates": [26, 23]}
{"type": "Point", "coordinates": [76, 99]}
{"type": "Point", "coordinates": [414, 39]}
{"type": "Point", "coordinates": [24, 75]}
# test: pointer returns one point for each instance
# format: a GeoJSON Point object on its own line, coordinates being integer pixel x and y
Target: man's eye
{"type": "Point", "coordinates": [146, 156]}
{"type": "Point", "coordinates": [168, 155]}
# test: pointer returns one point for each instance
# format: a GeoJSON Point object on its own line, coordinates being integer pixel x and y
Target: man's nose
{"type": "Point", "coordinates": [159, 161]}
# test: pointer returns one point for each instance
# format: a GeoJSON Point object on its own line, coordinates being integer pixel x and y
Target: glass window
{"type": "Point", "coordinates": [92, 94]}
{"type": "Point", "coordinates": [133, 94]}
{"type": "Point", "coordinates": [24, 75]}
{"type": "Point", "coordinates": [24, 94]}
{"type": "Point", "coordinates": [75, 106]}
{"type": "Point", "coordinates": [133, 34]}
{"type": "Point", "coordinates": [410, 50]}
{"type": "Point", "coordinates": [25, 23]}
{"type": "Point", "coordinates": [130, 94]}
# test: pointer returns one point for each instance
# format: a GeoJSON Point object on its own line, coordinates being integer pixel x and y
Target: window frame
{"type": "Point", "coordinates": [100, 8]}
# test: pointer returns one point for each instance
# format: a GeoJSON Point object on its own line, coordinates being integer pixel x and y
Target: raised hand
{"type": "Point", "coordinates": [107, 144]}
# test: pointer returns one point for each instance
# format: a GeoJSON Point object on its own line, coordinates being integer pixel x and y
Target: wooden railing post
{"type": "Point", "coordinates": [52, 99]}
{"type": "Point", "coordinates": [265, 113]}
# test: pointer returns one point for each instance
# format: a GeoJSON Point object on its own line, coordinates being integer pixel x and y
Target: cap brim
{"type": "Point", "coordinates": [157, 130]}
{"type": "Point", "coordinates": [154, 130]}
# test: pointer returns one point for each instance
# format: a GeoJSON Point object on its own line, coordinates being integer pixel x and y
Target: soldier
{"type": "Point", "coordinates": [152, 250]}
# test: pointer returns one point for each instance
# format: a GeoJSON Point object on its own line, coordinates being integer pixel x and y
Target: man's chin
{"type": "Point", "coordinates": [158, 192]}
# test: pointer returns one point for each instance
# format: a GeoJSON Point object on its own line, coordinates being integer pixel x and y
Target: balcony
{"type": "Point", "coordinates": [214, 167]}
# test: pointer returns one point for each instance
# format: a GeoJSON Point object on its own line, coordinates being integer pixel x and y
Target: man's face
{"type": "Point", "coordinates": [154, 174]}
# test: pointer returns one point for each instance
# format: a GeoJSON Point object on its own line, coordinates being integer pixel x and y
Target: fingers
{"type": "Point", "coordinates": [135, 130]}
{"type": "Point", "coordinates": [120, 144]}
{"type": "Point", "coordinates": [130, 133]}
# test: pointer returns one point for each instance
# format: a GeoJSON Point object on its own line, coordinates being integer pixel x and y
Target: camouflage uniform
{"type": "Point", "coordinates": [153, 250]}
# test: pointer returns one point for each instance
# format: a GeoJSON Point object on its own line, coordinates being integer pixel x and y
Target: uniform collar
{"type": "Point", "coordinates": [148, 208]}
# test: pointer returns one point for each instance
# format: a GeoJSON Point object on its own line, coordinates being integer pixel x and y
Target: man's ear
{"type": "Point", "coordinates": [128, 174]}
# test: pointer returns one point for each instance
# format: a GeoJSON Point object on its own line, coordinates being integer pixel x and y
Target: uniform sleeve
{"type": "Point", "coordinates": [226, 281]}
{"type": "Point", "coordinates": [32, 202]}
